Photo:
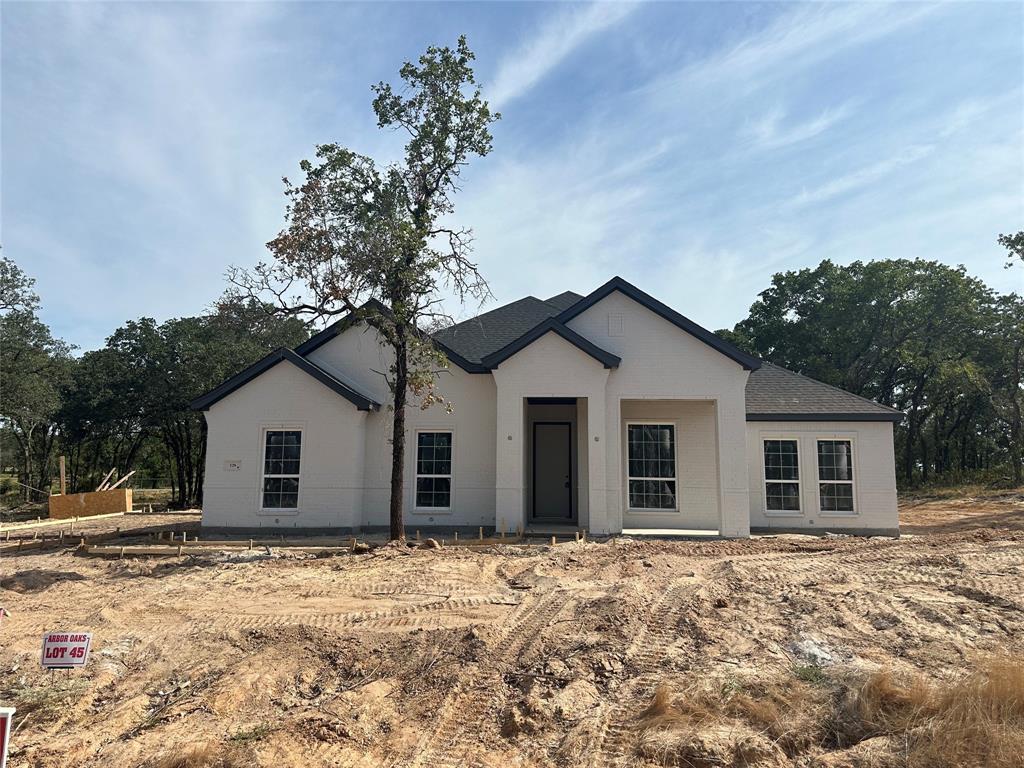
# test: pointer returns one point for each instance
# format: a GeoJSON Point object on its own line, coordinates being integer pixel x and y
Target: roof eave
{"type": "Point", "coordinates": [260, 367]}
{"type": "Point", "coordinates": [892, 416]}
{"type": "Point", "coordinates": [748, 362]}
{"type": "Point", "coordinates": [551, 325]}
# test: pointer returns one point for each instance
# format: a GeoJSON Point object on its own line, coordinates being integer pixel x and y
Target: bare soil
{"type": "Point", "coordinates": [510, 656]}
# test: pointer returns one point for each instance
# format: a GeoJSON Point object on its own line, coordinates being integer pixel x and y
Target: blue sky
{"type": "Point", "coordinates": [693, 148]}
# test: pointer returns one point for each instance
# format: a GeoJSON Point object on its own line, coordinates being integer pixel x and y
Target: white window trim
{"type": "Point", "coordinates": [675, 449]}
{"type": "Point", "coordinates": [799, 478]}
{"type": "Point", "coordinates": [852, 483]}
{"type": "Point", "coordinates": [263, 465]}
{"type": "Point", "coordinates": [416, 475]}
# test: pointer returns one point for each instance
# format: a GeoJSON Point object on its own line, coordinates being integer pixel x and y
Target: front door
{"type": "Point", "coordinates": [552, 471]}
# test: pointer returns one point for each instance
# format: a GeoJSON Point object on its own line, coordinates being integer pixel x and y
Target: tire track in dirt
{"type": "Point", "coordinates": [648, 648]}
{"type": "Point", "coordinates": [462, 716]}
{"type": "Point", "coordinates": [408, 615]}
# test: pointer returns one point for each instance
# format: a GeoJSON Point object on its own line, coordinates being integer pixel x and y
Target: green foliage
{"type": "Point", "coordinates": [811, 674]}
{"type": "Point", "coordinates": [376, 242]}
{"type": "Point", "coordinates": [1014, 244]}
{"type": "Point", "coordinates": [918, 335]}
{"type": "Point", "coordinates": [16, 291]}
{"type": "Point", "coordinates": [125, 405]}
{"type": "Point", "coordinates": [33, 371]}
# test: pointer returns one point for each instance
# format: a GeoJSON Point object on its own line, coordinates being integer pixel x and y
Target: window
{"type": "Point", "coordinates": [281, 454]}
{"type": "Point", "coordinates": [434, 470]}
{"type": "Point", "coordinates": [652, 466]}
{"type": "Point", "coordinates": [835, 475]}
{"type": "Point", "coordinates": [781, 476]}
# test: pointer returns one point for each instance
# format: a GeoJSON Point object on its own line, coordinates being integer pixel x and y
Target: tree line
{"type": "Point", "coordinates": [125, 405]}
{"type": "Point", "coordinates": [917, 335]}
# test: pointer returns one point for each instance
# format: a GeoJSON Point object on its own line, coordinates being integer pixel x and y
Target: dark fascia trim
{"type": "Point", "coordinates": [361, 402]}
{"type": "Point", "coordinates": [749, 362]}
{"type": "Point", "coordinates": [894, 416]}
{"type": "Point", "coordinates": [459, 360]}
{"type": "Point", "coordinates": [552, 325]}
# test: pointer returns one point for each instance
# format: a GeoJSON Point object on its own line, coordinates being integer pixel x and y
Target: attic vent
{"type": "Point", "coordinates": [615, 324]}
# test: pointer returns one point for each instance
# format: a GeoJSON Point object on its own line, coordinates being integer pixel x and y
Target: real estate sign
{"type": "Point", "coordinates": [6, 716]}
{"type": "Point", "coordinates": [64, 650]}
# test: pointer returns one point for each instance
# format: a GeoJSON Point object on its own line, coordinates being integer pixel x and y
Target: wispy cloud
{"type": "Point", "coordinates": [861, 177]}
{"type": "Point", "coordinates": [793, 42]}
{"type": "Point", "coordinates": [944, 128]}
{"type": "Point", "coordinates": [771, 131]}
{"type": "Point", "coordinates": [559, 36]}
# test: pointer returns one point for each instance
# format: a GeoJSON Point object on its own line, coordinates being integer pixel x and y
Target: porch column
{"type": "Point", "coordinates": [509, 457]}
{"type": "Point", "coordinates": [734, 498]}
{"type": "Point", "coordinates": [597, 449]}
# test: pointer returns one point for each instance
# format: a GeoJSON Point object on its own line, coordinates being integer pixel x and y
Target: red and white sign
{"type": "Point", "coordinates": [6, 716]}
{"type": "Point", "coordinates": [62, 650]}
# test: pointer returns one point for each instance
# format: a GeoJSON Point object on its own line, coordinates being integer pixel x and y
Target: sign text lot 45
{"type": "Point", "coordinates": [62, 650]}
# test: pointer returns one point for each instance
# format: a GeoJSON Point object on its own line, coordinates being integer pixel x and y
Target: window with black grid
{"type": "Point", "coordinates": [434, 470]}
{"type": "Point", "coordinates": [835, 475]}
{"type": "Point", "coordinates": [651, 463]}
{"type": "Point", "coordinates": [282, 451]}
{"type": "Point", "coordinates": [781, 476]}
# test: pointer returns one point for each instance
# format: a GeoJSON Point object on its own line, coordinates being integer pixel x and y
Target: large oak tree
{"type": "Point", "coordinates": [377, 242]}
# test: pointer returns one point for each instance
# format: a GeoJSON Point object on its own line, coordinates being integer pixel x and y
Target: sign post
{"type": "Point", "coordinates": [6, 716]}
{"type": "Point", "coordinates": [65, 650]}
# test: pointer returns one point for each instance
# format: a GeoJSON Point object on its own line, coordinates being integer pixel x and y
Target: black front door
{"type": "Point", "coordinates": [552, 471]}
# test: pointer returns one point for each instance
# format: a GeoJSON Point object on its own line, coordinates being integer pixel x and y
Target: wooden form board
{"type": "Point", "coordinates": [94, 503]}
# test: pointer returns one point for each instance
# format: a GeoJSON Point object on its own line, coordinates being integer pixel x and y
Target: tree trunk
{"type": "Point", "coordinates": [398, 434]}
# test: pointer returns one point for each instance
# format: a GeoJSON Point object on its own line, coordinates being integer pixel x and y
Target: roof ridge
{"type": "Point", "coordinates": [492, 311]}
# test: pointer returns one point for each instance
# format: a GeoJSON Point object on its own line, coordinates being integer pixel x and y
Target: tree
{"type": "Point", "coordinates": [1014, 244]}
{"type": "Point", "coordinates": [1006, 371]}
{"type": "Point", "coordinates": [33, 371]}
{"type": "Point", "coordinates": [376, 242]}
{"type": "Point", "coordinates": [16, 290]}
{"type": "Point", "coordinates": [155, 371]}
{"type": "Point", "coordinates": [914, 334]}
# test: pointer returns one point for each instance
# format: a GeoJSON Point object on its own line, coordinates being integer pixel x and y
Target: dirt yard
{"type": "Point", "coordinates": [777, 651]}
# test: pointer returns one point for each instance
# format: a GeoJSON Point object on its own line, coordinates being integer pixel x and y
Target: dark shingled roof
{"type": "Point", "coordinates": [563, 300]}
{"type": "Point", "coordinates": [773, 393]}
{"type": "Point", "coordinates": [777, 394]}
{"type": "Point", "coordinates": [478, 337]}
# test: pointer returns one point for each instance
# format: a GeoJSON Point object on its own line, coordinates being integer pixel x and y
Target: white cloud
{"type": "Point", "coordinates": [862, 176]}
{"type": "Point", "coordinates": [770, 132]}
{"type": "Point", "coordinates": [560, 35]}
{"type": "Point", "coordinates": [793, 42]}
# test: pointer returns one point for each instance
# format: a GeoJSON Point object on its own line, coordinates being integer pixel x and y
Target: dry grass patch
{"type": "Point", "coordinates": [977, 720]}
{"type": "Point", "coordinates": [208, 755]}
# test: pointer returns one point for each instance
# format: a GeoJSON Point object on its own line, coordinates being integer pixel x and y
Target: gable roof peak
{"type": "Point", "coordinates": [749, 362]}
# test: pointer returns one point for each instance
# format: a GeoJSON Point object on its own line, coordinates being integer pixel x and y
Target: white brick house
{"type": "Point", "coordinates": [607, 412]}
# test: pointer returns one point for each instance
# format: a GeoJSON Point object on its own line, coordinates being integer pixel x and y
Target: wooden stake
{"type": "Point", "coordinates": [481, 533]}
{"type": "Point", "coordinates": [63, 478]}
{"type": "Point", "coordinates": [552, 541]}
{"type": "Point", "coordinates": [250, 543]}
{"type": "Point", "coordinates": [121, 554]}
{"type": "Point", "coordinates": [456, 537]}
{"type": "Point", "coordinates": [417, 534]}
{"type": "Point", "coordinates": [577, 535]}
{"type": "Point", "coordinates": [179, 550]}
